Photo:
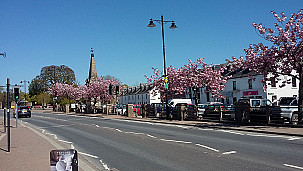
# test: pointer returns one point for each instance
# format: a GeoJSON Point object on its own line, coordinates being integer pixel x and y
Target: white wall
{"type": "Point", "coordinates": [257, 85]}
{"type": "Point", "coordinates": [142, 98]}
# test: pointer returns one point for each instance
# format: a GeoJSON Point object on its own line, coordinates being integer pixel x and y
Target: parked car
{"type": "Point", "coordinates": [255, 103]}
{"type": "Point", "coordinates": [24, 111]}
{"type": "Point", "coordinates": [173, 102]}
{"type": "Point", "coordinates": [119, 110]}
{"type": "Point", "coordinates": [191, 112]}
{"type": "Point", "coordinates": [201, 110]}
{"type": "Point", "coordinates": [136, 109]}
{"type": "Point", "coordinates": [228, 112]}
{"type": "Point", "coordinates": [286, 112]}
{"type": "Point", "coordinates": [258, 109]}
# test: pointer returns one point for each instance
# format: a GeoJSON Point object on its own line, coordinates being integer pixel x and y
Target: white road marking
{"type": "Point", "coordinates": [293, 138]}
{"type": "Point", "coordinates": [108, 128]}
{"type": "Point", "coordinates": [293, 166]}
{"type": "Point", "coordinates": [230, 152]}
{"type": "Point", "coordinates": [104, 165]}
{"type": "Point", "coordinates": [138, 133]}
{"type": "Point", "coordinates": [209, 148]}
{"type": "Point", "coordinates": [55, 136]}
{"type": "Point", "coordinates": [232, 132]}
{"type": "Point", "coordinates": [176, 141]}
{"type": "Point", "coordinates": [89, 155]}
{"type": "Point", "coordinates": [118, 130]}
{"type": "Point", "coordinates": [65, 141]}
{"type": "Point", "coordinates": [151, 136]}
{"type": "Point", "coordinates": [94, 117]}
{"type": "Point", "coordinates": [185, 127]}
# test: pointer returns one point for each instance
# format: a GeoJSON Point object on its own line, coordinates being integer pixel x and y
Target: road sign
{"type": "Point", "coordinates": [165, 79]}
{"type": "Point", "coordinates": [165, 85]}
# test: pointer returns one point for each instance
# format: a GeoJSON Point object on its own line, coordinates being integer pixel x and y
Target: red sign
{"type": "Point", "coordinates": [249, 93]}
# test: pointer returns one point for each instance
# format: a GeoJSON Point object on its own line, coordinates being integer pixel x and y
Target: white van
{"type": "Point", "coordinates": [174, 102]}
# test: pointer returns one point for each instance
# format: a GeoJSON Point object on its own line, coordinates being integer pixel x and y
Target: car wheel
{"type": "Point", "coordinates": [294, 119]}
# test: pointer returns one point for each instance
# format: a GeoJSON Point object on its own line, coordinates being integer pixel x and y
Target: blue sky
{"type": "Point", "coordinates": [38, 33]}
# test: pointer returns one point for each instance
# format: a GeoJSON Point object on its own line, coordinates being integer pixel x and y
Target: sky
{"type": "Point", "coordinates": [38, 33]}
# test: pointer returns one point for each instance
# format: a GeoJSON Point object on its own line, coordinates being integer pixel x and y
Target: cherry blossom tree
{"type": "Point", "coordinates": [195, 74]}
{"type": "Point", "coordinates": [99, 88]}
{"type": "Point", "coordinates": [71, 92]}
{"type": "Point", "coordinates": [283, 57]}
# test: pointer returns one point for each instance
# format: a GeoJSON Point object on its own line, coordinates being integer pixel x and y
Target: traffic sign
{"type": "Point", "coordinates": [165, 85]}
{"type": "Point", "coordinates": [165, 79]}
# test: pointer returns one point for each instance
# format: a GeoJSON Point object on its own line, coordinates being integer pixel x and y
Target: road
{"type": "Point", "coordinates": [133, 145]}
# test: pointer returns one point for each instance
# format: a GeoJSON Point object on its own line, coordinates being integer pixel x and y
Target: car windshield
{"type": "Point", "coordinates": [288, 101]}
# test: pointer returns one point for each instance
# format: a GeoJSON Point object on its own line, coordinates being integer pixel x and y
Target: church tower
{"type": "Point", "coordinates": [92, 75]}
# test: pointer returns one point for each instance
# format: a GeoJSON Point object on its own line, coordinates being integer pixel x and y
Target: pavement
{"type": "Point", "coordinates": [30, 149]}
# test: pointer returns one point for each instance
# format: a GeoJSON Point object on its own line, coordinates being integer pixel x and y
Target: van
{"type": "Point", "coordinates": [174, 102]}
{"type": "Point", "coordinates": [256, 102]}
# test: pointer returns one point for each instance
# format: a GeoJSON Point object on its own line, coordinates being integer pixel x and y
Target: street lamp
{"type": "Point", "coordinates": [173, 26]}
{"type": "Point", "coordinates": [3, 54]}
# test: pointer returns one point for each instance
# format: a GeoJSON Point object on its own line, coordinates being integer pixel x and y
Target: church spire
{"type": "Point", "coordinates": [92, 68]}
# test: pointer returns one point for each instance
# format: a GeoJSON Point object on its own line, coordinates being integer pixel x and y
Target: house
{"type": "Point", "coordinates": [241, 84]}
{"type": "Point", "coordinates": [139, 95]}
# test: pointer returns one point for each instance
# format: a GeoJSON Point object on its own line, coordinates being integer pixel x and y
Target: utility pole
{"type": "Point", "coordinates": [8, 118]}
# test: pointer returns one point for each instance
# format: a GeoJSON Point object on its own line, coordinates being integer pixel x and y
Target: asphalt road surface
{"type": "Point", "coordinates": [132, 145]}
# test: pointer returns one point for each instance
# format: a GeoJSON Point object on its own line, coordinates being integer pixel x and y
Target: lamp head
{"type": "Point", "coordinates": [173, 25]}
{"type": "Point", "coordinates": [151, 24]}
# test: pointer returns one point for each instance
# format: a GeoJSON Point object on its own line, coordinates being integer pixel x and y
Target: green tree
{"type": "Point", "coordinates": [50, 75]}
{"type": "Point", "coordinates": [43, 98]}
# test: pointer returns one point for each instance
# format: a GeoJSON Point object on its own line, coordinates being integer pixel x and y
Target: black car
{"type": "Point", "coordinates": [24, 111]}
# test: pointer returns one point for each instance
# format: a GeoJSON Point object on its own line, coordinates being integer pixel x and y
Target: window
{"type": "Point", "coordinates": [294, 82]}
{"type": "Point", "coordinates": [249, 83]}
{"type": "Point", "coordinates": [234, 85]}
{"type": "Point", "coordinates": [255, 103]}
{"type": "Point", "coordinates": [146, 96]}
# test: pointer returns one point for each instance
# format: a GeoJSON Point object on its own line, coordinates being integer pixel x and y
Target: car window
{"type": "Point", "coordinates": [286, 101]}
{"type": "Point", "coordinates": [255, 103]}
{"type": "Point", "coordinates": [265, 103]}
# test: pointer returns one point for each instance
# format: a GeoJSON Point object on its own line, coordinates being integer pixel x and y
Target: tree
{"type": "Point", "coordinates": [94, 90]}
{"type": "Point", "coordinates": [43, 98]}
{"type": "Point", "coordinates": [54, 74]}
{"type": "Point", "coordinates": [284, 57]}
{"type": "Point", "coordinates": [50, 75]}
{"type": "Point", "coordinates": [36, 86]}
{"type": "Point", "coordinates": [100, 88]}
{"type": "Point", "coordinates": [195, 74]}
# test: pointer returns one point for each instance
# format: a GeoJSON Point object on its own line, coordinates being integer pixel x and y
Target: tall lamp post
{"type": "Point", "coordinates": [173, 26]}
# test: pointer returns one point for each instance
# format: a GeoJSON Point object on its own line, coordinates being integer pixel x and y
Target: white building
{"type": "Point", "coordinates": [139, 95]}
{"type": "Point", "coordinates": [241, 85]}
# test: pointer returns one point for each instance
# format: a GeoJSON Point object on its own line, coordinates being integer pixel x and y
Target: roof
{"type": "Point", "coordinates": [142, 89]}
